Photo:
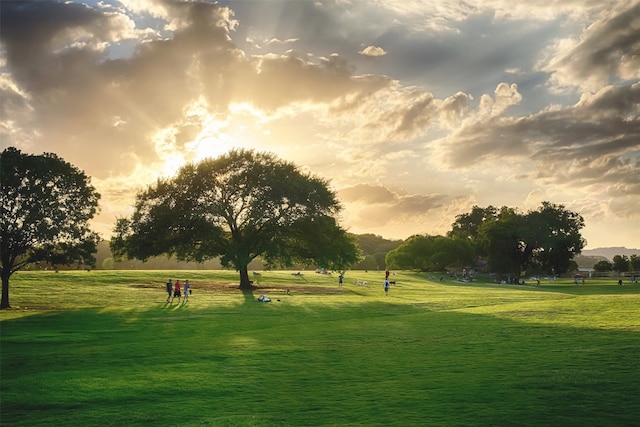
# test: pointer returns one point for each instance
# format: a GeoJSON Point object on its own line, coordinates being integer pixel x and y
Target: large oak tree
{"type": "Point", "coordinates": [238, 206]}
{"type": "Point", "coordinates": [45, 206]}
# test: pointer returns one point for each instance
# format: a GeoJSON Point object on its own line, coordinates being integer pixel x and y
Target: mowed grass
{"type": "Point", "coordinates": [103, 348]}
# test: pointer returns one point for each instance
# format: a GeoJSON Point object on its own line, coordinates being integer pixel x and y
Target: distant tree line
{"type": "Point", "coordinates": [506, 241]}
{"type": "Point", "coordinates": [621, 264]}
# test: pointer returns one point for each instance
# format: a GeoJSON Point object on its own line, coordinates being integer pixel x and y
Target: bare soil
{"type": "Point", "coordinates": [262, 288]}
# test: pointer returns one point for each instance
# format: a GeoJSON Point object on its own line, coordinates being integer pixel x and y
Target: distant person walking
{"type": "Point", "coordinates": [187, 289]}
{"type": "Point", "coordinates": [176, 291]}
{"type": "Point", "coordinates": [386, 274]}
{"type": "Point", "coordinates": [340, 279]}
{"type": "Point", "coordinates": [169, 290]}
{"type": "Point", "coordinates": [386, 286]}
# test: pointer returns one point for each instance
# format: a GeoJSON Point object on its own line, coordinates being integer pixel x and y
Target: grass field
{"type": "Point", "coordinates": [103, 348]}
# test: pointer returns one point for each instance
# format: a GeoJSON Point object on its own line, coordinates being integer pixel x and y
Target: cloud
{"type": "Point", "coordinates": [609, 48]}
{"type": "Point", "coordinates": [603, 123]}
{"type": "Point", "coordinates": [481, 103]}
{"type": "Point", "coordinates": [591, 148]}
{"type": "Point", "coordinates": [373, 51]}
{"type": "Point", "coordinates": [505, 96]}
{"type": "Point", "coordinates": [375, 206]}
{"type": "Point", "coordinates": [75, 90]}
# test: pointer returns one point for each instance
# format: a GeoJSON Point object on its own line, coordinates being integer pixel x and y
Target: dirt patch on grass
{"type": "Point", "coordinates": [262, 288]}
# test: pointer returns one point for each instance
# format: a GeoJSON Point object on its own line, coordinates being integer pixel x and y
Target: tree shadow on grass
{"type": "Point", "coordinates": [248, 295]}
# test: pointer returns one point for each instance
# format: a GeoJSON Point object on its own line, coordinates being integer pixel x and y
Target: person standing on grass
{"type": "Point", "coordinates": [386, 286]}
{"type": "Point", "coordinates": [169, 290]}
{"type": "Point", "coordinates": [186, 288]}
{"type": "Point", "coordinates": [176, 291]}
{"type": "Point", "coordinates": [340, 279]}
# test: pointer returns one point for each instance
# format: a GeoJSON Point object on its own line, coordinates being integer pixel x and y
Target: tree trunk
{"type": "Point", "coordinates": [5, 291]}
{"type": "Point", "coordinates": [245, 284]}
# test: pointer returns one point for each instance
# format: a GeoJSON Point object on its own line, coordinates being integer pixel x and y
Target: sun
{"type": "Point", "coordinates": [218, 133]}
{"type": "Point", "coordinates": [208, 145]}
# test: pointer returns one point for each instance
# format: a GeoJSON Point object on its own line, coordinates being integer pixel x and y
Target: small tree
{"type": "Point", "coordinates": [238, 206]}
{"type": "Point", "coordinates": [45, 205]}
{"type": "Point", "coordinates": [620, 263]}
{"type": "Point", "coordinates": [602, 266]}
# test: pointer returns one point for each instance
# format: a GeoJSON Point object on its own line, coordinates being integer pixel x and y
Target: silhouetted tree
{"type": "Point", "coordinates": [238, 206]}
{"type": "Point", "coordinates": [45, 205]}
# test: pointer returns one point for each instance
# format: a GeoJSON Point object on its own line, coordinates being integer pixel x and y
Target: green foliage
{"type": "Point", "coordinates": [368, 262]}
{"type": "Point", "coordinates": [372, 243]}
{"type": "Point", "coordinates": [430, 253]}
{"type": "Point", "coordinates": [621, 263]}
{"type": "Point", "coordinates": [108, 264]}
{"type": "Point", "coordinates": [376, 246]}
{"type": "Point", "coordinates": [467, 225]}
{"type": "Point", "coordinates": [504, 243]}
{"type": "Point", "coordinates": [238, 206]}
{"type": "Point", "coordinates": [634, 262]}
{"type": "Point", "coordinates": [543, 240]}
{"type": "Point", "coordinates": [45, 204]}
{"type": "Point", "coordinates": [555, 233]}
{"type": "Point", "coordinates": [602, 266]}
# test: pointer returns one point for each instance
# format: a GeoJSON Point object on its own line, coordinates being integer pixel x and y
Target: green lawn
{"type": "Point", "coordinates": [104, 348]}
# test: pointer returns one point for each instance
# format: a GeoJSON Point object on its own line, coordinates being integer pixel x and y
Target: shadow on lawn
{"type": "Point", "coordinates": [248, 295]}
{"type": "Point", "coordinates": [538, 374]}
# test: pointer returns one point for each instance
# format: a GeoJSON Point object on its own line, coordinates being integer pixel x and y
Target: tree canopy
{"type": "Point", "coordinates": [374, 249]}
{"type": "Point", "coordinates": [545, 239]}
{"type": "Point", "coordinates": [45, 205]}
{"type": "Point", "coordinates": [621, 263]}
{"type": "Point", "coordinates": [506, 242]}
{"type": "Point", "coordinates": [467, 225]}
{"type": "Point", "coordinates": [238, 206]}
{"type": "Point", "coordinates": [603, 266]}
{"type": "Point", "coordinates": [430, 253]}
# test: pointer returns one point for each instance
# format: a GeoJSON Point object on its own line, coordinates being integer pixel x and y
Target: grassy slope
{"type": "Point", "coordinates": [103, 348]}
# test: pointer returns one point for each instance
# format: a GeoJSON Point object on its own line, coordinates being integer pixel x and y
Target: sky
{"type": "Point", "coordinates": [414, 111]}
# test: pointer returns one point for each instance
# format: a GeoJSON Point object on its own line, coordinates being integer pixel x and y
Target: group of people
{"type": "Point", "coordinates": [386, 285]}
{"type": "Point", "coordinates": [175, 290]}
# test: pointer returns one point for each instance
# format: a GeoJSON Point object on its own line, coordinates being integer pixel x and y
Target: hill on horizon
{"type": "Point", "coordinates": [610, 252]}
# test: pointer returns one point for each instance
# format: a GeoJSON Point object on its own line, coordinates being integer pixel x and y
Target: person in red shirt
{"type": "Point", "coordinates": [176, 291]}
